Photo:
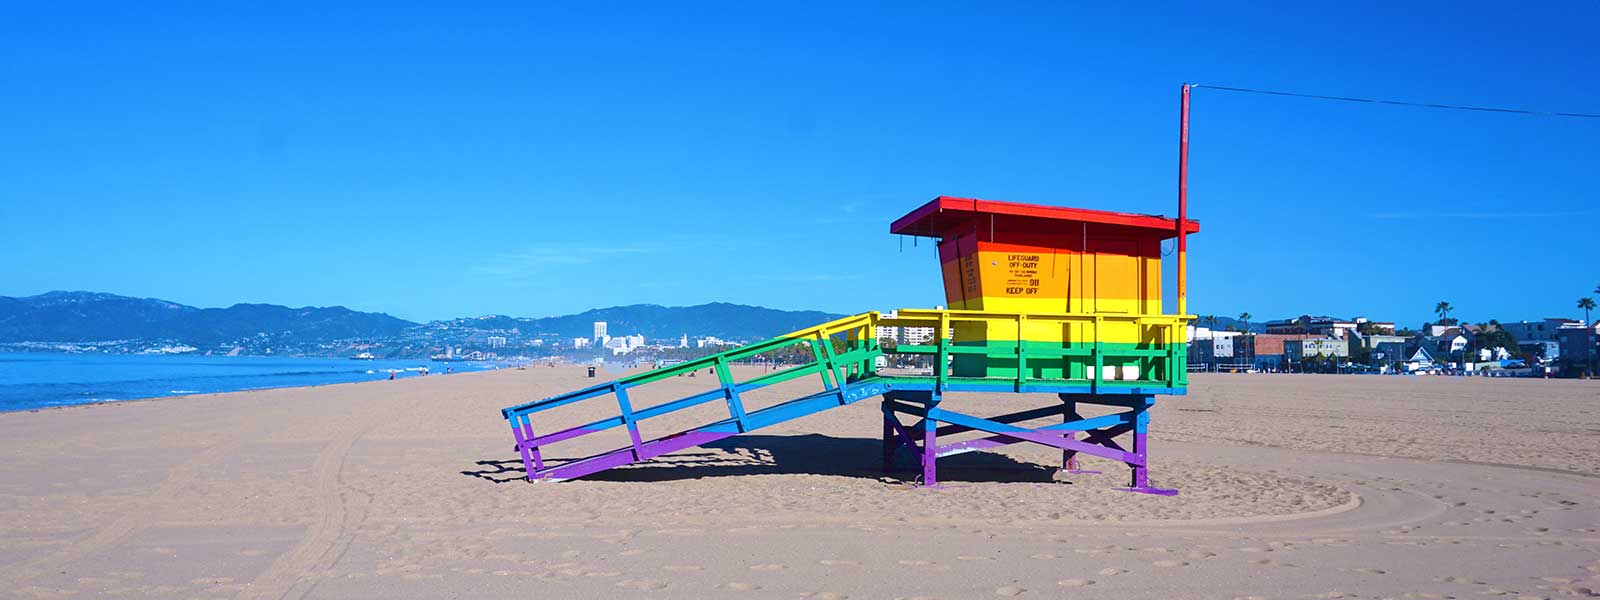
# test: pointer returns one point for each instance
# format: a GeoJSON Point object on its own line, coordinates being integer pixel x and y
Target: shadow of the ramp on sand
{"type": "Point", "coordinates": [806, 454]}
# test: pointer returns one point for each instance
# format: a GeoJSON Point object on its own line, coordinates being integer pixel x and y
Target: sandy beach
{"type": "Point", "coordinates": [1292, 486]}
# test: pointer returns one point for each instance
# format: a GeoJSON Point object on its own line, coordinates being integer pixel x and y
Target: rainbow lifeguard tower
{"type": "Point", "coordinates": [1044, 300]}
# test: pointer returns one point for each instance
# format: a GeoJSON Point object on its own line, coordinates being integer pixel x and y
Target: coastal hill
{"type": "Point", "coordinates": [78, 321]}
{"type": "Point", "coordinates": [93, 317]}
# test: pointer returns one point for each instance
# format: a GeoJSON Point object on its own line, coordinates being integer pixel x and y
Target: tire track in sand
{"type": "Point", "coordinates": [295, 572]}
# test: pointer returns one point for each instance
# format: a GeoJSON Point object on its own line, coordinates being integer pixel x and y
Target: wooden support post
{"type": "Point", "coordinates": [626, 408]}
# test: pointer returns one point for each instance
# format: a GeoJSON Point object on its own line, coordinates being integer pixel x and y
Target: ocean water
{"type": "Point", "coordinates": [29, 381]}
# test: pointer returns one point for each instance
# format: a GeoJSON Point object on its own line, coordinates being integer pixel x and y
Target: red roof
{"type": "Point", "coordinates": [945, 212]}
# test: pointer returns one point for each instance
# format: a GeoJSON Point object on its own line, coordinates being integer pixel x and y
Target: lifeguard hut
{"type": "Point", "coordinates": [1043, 300]}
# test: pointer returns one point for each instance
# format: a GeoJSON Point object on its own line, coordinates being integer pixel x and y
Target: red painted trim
{"type": "Point", "coordinates": [939, 215]}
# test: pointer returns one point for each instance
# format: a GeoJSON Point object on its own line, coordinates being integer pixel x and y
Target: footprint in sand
{"type": "Point", "coordinates": [825, 596]}
{"type": "Point", "coordinates": [1112, 571]}
{"type": "Point", "coordinates": [1371, 571]}
{"type": "Point", "coordinates": [1075, 582]}
{"type": "Point", "coordinates": [642, 584]}
{"type": "Point", "coordinates": [838, 563]}
{"type": "Point", "coordinates": [1009, 590]}
{"type": "Point", "coordinates": [915, 563]}
{"type": "Point", "coordinates": [631, 552]}
{"type": "Point", "coordinates": [738, 586]}
{"type": "Point", "coordinates": [1043, 556]}
{"type": "Point", "coordinates": [972, 557]}
{"type": "Point", "coordinates": [768, 567]}
{"type": "Point", "coordinates": [1169, 563]}
{"type": "Point", "coordinates": [681, 567]}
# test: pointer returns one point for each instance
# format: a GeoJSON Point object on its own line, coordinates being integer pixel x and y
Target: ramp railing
{"type": "Point", "coordinates": [841, 352]}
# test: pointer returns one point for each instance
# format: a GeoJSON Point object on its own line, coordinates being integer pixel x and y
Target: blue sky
{"type": "Point", "coordinates": [439, 160]}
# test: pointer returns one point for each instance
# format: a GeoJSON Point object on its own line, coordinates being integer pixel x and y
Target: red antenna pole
{"type": "Point", "coordinates": [1183, 205]}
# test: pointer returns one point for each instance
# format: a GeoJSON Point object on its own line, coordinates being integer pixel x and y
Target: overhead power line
{"type": "Point", "coordinates": [1517, 111]}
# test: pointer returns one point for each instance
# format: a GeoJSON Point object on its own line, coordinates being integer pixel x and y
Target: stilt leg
{"type": "Point", "coordinates": [889, 441]}
{"type": "Point", "coordinates": [1069, 458]}
{"type": "Point", "coordinates": [930, 446]}
{"type": "Point", "coordinates": [930, 471]}
{"type": "Point", "coordinates": [1141, 451]}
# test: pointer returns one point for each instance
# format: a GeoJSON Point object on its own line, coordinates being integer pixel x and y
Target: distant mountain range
{"type": "Point", "coordinates": [91, 317]}
{"type": "Point", "coordinates": [80, 318]}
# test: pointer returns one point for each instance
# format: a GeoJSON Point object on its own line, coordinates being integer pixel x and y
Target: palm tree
{"type": "Point", "coordinates": [1443, 310]}
{"type": "Point", "coordinates": [1246, 318]}
{"type": "Point", "coordinates": [1587, 304]}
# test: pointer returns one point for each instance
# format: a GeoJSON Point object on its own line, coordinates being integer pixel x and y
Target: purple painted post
{"type": "Point", "coordinates": [930, 456]}
{"type": "Point", "coordinates": [1069, 458]}
{"type": "Point", "coordinates": [1141, 456]}
{"type": "Point", "coordinates": [1141, 473]}
{"type": "Point", "coordinates": [522, 436]}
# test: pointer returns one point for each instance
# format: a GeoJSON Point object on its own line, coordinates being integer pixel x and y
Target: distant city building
{"type": "Point", "coordinates": [580, 343]}
{"type": "Point", "coordinates": [536, 343]}
{"type": "Point", "coordinates": [1376, 339]}
{"type": "Point", "coordinates": [1298, 350]}
{"type": "Point", "coordinates": [1309, 325]}
{"type": "Point", "coordinates": [1452, 341]}
{"type": "Point", "coordinates": [1375, 327]}
{"type": "Point", "coordinates": [624, 344]}
{"type": "Point", "coordinates": [496, 341]}
{"type": "Point", "coordinates": [1547, 330]}
{"type": "Point", "coordinates": [600, 335]}
{"type": "Point", "coordinates": [915, 336]}
{"type": "Point", "coordinates": [1549, 350]}
{"type": "Point", "coordinates": [1262, 350]}
{"type": "Point", "coordinates": [710, 341]}
{"type": "Point", "coordinates": [683, 342]}
{"type": "Point", "coordinates": [1578, 350]}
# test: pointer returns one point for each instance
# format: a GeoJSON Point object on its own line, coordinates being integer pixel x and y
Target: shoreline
{"type": "Point", "coordinates": [311, 386]}
{"type": "Point", "coordinates": [45, 384]}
